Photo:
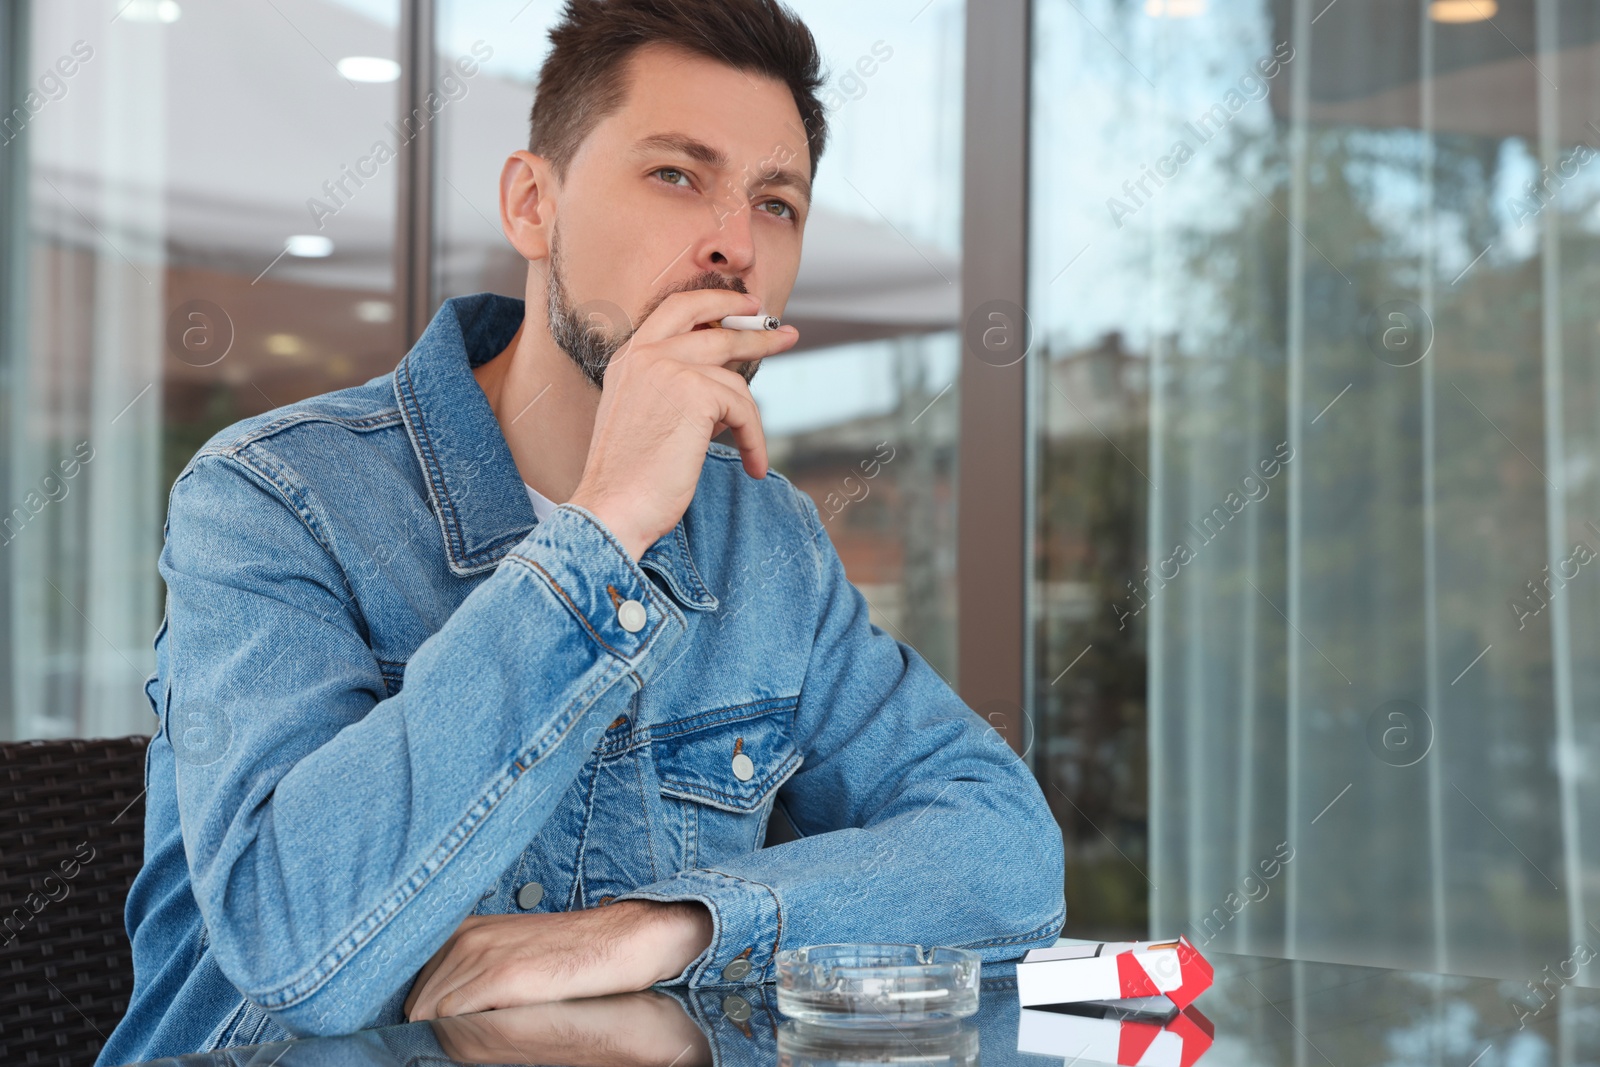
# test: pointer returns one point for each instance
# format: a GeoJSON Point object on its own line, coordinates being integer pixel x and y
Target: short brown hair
{"type": "Point", "coordinates": [581, 81]}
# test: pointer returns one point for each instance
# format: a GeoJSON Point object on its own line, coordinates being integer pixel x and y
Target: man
{"type": "Point", "coordinates": [432, 744]}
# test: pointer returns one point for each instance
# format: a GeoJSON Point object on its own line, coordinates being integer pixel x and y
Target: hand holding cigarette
{"type": "Point", "coordinates": [667, 393]}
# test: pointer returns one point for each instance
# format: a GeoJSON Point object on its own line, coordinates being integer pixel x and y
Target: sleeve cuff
{"type": "Point", "coordinates": [603, 587]}
{"type": "Point", "coordinates": [747, 926]}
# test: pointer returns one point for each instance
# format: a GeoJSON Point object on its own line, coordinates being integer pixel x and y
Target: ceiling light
{"type": "Point", "coordinates": [1174, 9]}
{"type": "Point", "coordinates": [151, 11]}
{"type": "Point", "coordinates": [309, 245]}
{"type": "Point", "coordinates": [369, 69]}
{"type": "Point", "coordinates": [374, 311]}
{"type": "Point", "coordinates": [1462, 10]}
{"type": "Point", "coordinates": [284, 344]}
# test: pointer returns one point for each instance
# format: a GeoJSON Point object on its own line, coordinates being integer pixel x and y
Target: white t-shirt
{"type": "Point", "coordinates": [542, 507]}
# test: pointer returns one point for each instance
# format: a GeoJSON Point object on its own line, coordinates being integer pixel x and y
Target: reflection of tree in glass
{"type": "Point", "coordinates": [1090, 545]}
{"type": "Point", "coordinates": [1364, 542]}
{"type": "Point", "coordinates": [1231, 276]}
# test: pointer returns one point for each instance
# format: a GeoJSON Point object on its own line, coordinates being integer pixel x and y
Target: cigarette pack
{"type": "Point", "coordinates": [1113, 971]}
{"type": "Point", "coordinates": [1103, 1033]}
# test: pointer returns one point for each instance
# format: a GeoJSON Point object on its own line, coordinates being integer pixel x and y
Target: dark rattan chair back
{"type": "Point", "coordinates": [71, 840]}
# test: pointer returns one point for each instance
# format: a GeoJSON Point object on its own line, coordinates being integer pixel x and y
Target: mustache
{"type": "Point", "coordinates": [706, 279]}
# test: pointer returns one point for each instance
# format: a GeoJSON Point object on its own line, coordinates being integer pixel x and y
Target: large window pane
{"type": "Point", "coordinates": [1317, 406]}
{"type": "Point", "coordinates": [208, 235]}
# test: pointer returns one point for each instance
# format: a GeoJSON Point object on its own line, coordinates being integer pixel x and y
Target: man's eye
{"type": "Point", "coordinates": [672, 175]}
{"type": "Point", "coordinates": [781, 206]}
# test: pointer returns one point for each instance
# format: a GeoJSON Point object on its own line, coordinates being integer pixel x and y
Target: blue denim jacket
{"type": "Point", "coordinates": [390, 699]}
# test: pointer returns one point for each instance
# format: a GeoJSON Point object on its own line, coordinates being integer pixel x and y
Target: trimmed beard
{"type": "Point", "coordinates": [593, 332]}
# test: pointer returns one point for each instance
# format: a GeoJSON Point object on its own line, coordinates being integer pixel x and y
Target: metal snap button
{"type": "Point", "coordinates": [743, 768]}
{"type": "Point", "coordinates": [736, 1007]}
{"type": "Point", "coordinates": [630, 613]}
{"type": "Point", "coordinates": [528, 896]}
{"type": "Point", "coordinates": [736, 969]}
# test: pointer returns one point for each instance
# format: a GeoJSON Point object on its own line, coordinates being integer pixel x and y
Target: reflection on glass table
{"type": "Point", "coordinates": [1260, 1011]}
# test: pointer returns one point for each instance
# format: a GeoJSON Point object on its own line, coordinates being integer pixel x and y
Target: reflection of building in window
{"type": "Point", "coordinates": [895, 531]}
{"type": "Point", "coordinates": [1092, 408]}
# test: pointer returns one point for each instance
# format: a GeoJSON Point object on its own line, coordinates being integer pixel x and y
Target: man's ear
{"type": "Point", "coordinates": [527, 203]}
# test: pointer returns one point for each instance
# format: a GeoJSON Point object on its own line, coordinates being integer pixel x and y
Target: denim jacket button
{"type": "Point", "coordinates": [630, 613]}
{"type": "Point", "coordinates": [736, 1007]}
{"type": "Point", "coordinates": [736, 969]}
{"type": "Point", "coordinates": [743, 769]}
{"type": "Point", "coordinates": [528, 896]}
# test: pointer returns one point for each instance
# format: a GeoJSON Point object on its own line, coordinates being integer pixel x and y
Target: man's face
{"type": "Point", "coordinates": [691, 184]}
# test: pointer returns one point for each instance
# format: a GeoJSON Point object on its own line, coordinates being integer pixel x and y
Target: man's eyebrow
{"type": "Point", "coordinates": [717, 159]}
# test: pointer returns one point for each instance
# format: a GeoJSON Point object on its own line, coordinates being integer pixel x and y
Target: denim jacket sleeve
{"type": "Point", "coordinates": [918, 822]}
{"type": "Point", "coordinates": [333, 832]}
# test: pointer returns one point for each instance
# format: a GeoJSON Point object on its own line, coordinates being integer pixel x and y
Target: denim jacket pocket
{"type": "Point", "coordinates": [719, 772]}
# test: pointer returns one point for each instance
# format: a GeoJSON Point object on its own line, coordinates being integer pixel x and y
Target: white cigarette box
{"type": "Point", "coordinates": [1113, 970]}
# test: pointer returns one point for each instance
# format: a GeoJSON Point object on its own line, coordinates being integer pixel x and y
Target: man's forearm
{"type": "Point", "coordinates": [503, 961]}
{"type": "Point", "coordinates": [681, 930]}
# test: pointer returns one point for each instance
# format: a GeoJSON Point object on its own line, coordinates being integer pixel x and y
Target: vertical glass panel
{"type": "Point", "coordinates": [503, 42]}
{"type": "Point", "coordinates": [1315, 425]}
{"type": "Point", "coordinates": [874, 377]}
{"type": "Point", "coordinates": [862, 413]}
{"type": "Point", "coordinates": [209, 235]}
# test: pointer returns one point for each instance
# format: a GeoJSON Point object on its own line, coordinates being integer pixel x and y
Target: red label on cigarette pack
{"type": "Point", "coordinates": [1113, 970]}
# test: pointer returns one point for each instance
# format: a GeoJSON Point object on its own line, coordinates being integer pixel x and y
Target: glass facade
{"type": "Point", "coordinates": [1316, 426]}
{"type": "Point", "coordinates": [1314, 399]}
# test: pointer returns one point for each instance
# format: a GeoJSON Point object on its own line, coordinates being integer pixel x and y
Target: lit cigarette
{"type": "Point", "coordinates": [748, 322]}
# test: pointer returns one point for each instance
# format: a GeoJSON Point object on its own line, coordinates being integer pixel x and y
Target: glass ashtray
{"type": "Point", "coordinates": [877, 985]}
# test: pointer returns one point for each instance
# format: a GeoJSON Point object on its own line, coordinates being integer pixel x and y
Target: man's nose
{"type": "Point", "coordinates": [729, 243]}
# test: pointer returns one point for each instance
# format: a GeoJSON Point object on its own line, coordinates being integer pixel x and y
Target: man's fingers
{"type": "Point", "coordinates": [469, 998]}
{"type": "Point", "coordinates": [712, 347]}
{"type": "Point", "coordinates": [421, 995]}
{"type": "Point", "coordinates": [729, 377]}
{"type": "Point", "coordinates": [740, 414]}
{"type": "Point", "coordinates": [721, 347]}
{"type": "Point", "coordinates": [423, 1003]}
{"type": "Point", "coordinates": [681, 312]}
{"type": "Point", "coordinates": [431, 989]}
{"type": "Point", "coordinates": [420, 985]}
{"type": "Point", "coordinates": [489, 982]}
{"type": "Point", "coordinates": [456, 989]}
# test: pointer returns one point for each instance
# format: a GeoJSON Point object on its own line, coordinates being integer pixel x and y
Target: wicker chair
{"type": "Point", "coordinates": [71, 840]}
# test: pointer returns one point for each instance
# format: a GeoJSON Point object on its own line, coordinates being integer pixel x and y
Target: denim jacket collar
{"type": "Point", "coordinates": [472, 478]}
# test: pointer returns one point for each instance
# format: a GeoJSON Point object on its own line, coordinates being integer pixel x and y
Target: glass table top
{"type": "Point", "coordinates": [1258, 1011]}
